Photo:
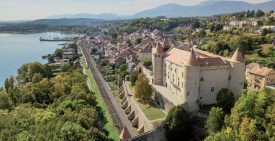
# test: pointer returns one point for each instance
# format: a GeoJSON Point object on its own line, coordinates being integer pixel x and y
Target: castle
{"type": "Point", "coordinates": [194, 77]}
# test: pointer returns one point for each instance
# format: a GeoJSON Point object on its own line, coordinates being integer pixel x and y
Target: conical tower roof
{"type": "Point", "coordinates": [124, 135]}
{"type": "Point", "coordinates": [192, 59]}
{"type": "Point", "coordinates": [237, 56]}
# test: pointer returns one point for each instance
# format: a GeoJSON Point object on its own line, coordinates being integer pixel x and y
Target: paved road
{"type": "Point", "coordinates": [118, 115]}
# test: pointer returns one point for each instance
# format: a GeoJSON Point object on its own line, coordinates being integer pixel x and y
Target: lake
{"type": "Point", "coordinates": [18, 49]}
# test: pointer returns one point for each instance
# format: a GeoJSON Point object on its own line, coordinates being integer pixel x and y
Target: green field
{"type": "Point", "coordinates": [151, 111]}
{"type": "Point", "coordinates": [108, 122]}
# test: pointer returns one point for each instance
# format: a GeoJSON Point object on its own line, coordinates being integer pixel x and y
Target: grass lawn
{"type": "Point", "coordinates": [151, 112]}
{"type": "Point", "coordinates": [108, 125]}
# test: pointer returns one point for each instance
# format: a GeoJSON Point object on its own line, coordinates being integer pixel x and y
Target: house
{"type": "Point", "coordinates": [250, 67]}
{"type": "Point", "coordinates": [69, 53]}
{"type": "Point", "coordinates": [260, 77]}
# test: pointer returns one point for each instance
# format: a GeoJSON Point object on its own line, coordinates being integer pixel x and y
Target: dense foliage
{"type": "Point", "coordinates": [177, 124]}
{"type": "Point", "coordinates": [56, 108]}
{"type": "Point", "coordinates": [225, 99]}
{"type": "Point", "coordinates": [160, 23]}
{"type": "Point", "coordinates": [143, 89]}
{"type": "Point", "coordinates": [252, 118]}
{"type": "Point", "coordinates": [214, 121]}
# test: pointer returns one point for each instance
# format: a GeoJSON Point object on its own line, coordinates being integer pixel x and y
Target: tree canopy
{"type": "Point", "coordinates": [177, 124]}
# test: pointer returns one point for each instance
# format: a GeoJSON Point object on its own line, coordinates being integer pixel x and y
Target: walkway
{"type": "Point", "coordinates": [116, 112]}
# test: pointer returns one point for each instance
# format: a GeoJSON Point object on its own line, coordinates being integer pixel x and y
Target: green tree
{"type": "Point", "coordinates": [143, 89]}
{"type": "Point", "coordinates": [259, 13]}
{"type": "Point", "coordinates": [72, 132]}
{"type": "Point", "coordinates": [5, 102]}
{"type": "Point", "coordinates": [138, 41]}
{"type": "Point", "coordinates": [214, 121]}
{"type": "Point", "coordinates": [133, 77]}
{"type": "Point", "coordinates": [37, 77]}
{"type": "Point", "coordinates": [225, 99]}
{"type": "Point", "coordinates": [146, 62]}
{"type": "Point", "coordinates": [34, 68]}
{"type": "Point", "coordinates": [41, 92]}
{"type": "Point", "coordinates": [177, 124]}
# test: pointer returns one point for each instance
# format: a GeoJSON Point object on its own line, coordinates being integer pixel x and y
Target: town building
{"type": "Point", "coordinates": [259, 77]}
{"type": "Point", "coordinates": [194, 77]}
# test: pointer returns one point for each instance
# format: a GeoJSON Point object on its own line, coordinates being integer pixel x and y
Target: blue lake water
{"type": "Point", "coordinates": [18, 49]}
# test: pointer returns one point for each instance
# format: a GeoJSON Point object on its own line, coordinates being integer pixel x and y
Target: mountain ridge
{"type": "Point", "coordinates": [170, 10]}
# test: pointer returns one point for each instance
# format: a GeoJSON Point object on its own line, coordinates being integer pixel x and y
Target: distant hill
{"type": "Point", "coordinates": [104, 16]}
{"type": "Point", "coordinates": [207, 8]}
{"type": "Point", "coordinates": [65, 21]}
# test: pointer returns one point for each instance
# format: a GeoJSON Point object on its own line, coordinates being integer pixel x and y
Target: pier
{"type": "Point", "coordinates": [57, 39]}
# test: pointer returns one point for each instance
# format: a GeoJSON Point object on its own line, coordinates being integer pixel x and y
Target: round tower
{"type": "Point", "coordinates": [191, 84]}
{"type": "Point", "coordinates": [157, 63]}
{"type": "Point", "coordinates": [237, 73]}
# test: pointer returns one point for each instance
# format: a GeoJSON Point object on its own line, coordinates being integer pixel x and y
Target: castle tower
{"type": "Point", "coordinates": [166, 44]}
{"type": "Point", "coordinates": [157, 61]}
{"type": "Point", "coordinates": [192, 77]}
{"type": "Point", "coordinates": [124, 135]}
{"type": "Point", "coordinates": [237, 73]}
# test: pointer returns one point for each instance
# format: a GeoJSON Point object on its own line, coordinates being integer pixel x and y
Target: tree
{"type": "Point", "coordinates": [177, 124]}
{"type": "Point", "coordinates": [196, 24]}
{"type": "Point", "coordinates": [225, 99]}
{"type": "Point", "coordinates": [147, 62]}
{"type": "Point", "coordinates": [22, 76]}
{"type": "Point", "coordinates": [122, 71]}
{"type": "Point", "coordinates": [37, 77]}
{"type": "Point", "coordinates": [5, 102]}
{"type": "Point", "coordinates": [202, 33]}
{"type": "Point", "coordinates": [34, 68]}
{"type": "Point", "coordinates": [94, 50]}
{"type": "Point", "coordinates": [138, 41]}
{"type": "Point", "coordinates": [214, 121]}
{"type": "Point", "coordinates": [58, 53]}
{"type": "Point", "coordinates": [143, 89]}
{"type": "Point", "coordinates": [133, 77]}
{"type": "Point", "coordinates": [72, 132]}
{"type": "Point", "coordinates": [259, 13]}
{"type": "Point", "coordinates": [41, 92]}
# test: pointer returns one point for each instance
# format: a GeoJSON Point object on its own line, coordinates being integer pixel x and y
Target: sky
{"type": "Point", "coordinates": [37, 9]}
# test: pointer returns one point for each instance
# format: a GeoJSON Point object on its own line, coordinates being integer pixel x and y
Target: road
{"type": "Point", "coordinates": [119, 118]}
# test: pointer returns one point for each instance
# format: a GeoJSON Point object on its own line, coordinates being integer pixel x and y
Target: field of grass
{"type": "Point", "coordinates": [108, 122]}
{"type": "Point", "coordinates": [151, 112]}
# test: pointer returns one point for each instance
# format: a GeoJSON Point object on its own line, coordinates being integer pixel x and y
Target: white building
{"type": "Point", "coordinates": [194, 77]}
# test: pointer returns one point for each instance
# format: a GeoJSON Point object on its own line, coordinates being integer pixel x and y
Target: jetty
{"type": "Point", "coordinates": [57, 39]}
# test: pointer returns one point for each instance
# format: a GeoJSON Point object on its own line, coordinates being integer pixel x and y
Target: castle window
{"type": "Point", "coordinates": [201, 78]}
{"type": "Point", "coordinates": [175, 70]}
{"type": "Point", "coordinates": [187, 93]}
{"type": "Point", "coordinates": [212, 89]}
{"type": "Point", "coordinates": [229, 78]}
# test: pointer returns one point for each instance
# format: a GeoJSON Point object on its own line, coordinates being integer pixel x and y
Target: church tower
{"type": "Point", "coordinates": [157, 61]}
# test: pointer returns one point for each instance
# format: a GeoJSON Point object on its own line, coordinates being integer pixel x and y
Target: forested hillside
{"type": "Point", "coordinates": [36, 106]}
